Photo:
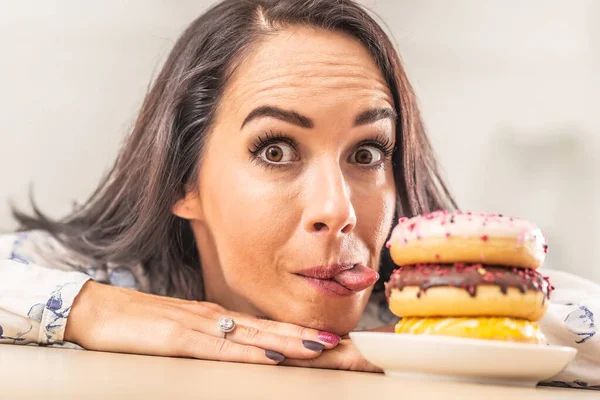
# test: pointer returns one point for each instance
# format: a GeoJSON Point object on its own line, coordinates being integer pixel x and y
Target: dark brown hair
{"type": "Point", "coordinates": [128, 218]}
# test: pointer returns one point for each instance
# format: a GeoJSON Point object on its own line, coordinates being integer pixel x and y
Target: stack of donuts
{"type": "Point", "coordinates": [468, 275]}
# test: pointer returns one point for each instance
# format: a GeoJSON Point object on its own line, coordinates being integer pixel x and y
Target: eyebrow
{"type": "Point", "coordinates": [278, 113]}
{"type": "Point", "coordinates": [292, 117]}
{"type": "Point", "coordinates": [374, 115]}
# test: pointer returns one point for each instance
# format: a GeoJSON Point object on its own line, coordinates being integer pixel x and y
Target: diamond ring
{"type": "Point", "coordinates": [226, 325]}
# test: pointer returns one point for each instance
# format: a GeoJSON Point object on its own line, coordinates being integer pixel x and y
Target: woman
{"type": "Point", "coordinates": [260, 182]}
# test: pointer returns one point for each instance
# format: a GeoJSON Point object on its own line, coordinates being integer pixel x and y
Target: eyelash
{"type": "Point", "coordinates": [380, 142]}
{"type": "Point", "coordinates": [383, 144]}
{"type": "Point", "coordinates": [268, 138]}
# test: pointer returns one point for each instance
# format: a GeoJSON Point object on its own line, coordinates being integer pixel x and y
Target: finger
{"type": "Point", "coordinates": [289, 346]}
{"type": "Point", "coordinates": [208, 310]}
{"type": "Point", "coordinates": [328, 361]}
{"type": "Point", "coordinates": [329, 340]}
{"type": "Point", "coordinates": [194, 305]}
{"type": "Point", "coordinates": [213, 306]}
{"type": "Point", "coordinates": [198, 345]}
{"type": "Point", "coordinates": [346, 359]}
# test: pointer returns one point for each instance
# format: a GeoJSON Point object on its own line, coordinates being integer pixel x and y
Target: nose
{"type": "Point", "coordinates": [328, 206]}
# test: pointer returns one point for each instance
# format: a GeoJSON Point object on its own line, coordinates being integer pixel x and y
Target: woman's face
{"type": "Point", "coordinates": [296, 192]}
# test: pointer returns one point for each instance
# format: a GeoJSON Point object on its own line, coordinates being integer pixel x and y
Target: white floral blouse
{"type": "Point", "coordinates": [39, 279]}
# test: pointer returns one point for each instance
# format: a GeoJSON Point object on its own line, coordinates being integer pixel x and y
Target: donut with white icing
{"type": "Point", "coordinates": [445, 237]}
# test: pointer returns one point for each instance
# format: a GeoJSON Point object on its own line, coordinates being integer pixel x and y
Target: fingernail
{"type": "Point", "coordinates": [329, 338]}
{"type": "Point", "coordinates": [275, 356]}
{"type": "Point", "coordinates": [312, 345]}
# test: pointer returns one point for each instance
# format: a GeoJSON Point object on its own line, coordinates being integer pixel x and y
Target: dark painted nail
{"type": "Point", "coordinates": [314, 346]}
{"type": "Point", "coordinates": [275, 356]}
{"type": "Point", "coordinates": [329, 338]}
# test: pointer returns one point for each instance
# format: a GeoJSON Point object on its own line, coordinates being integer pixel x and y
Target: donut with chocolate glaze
{"type": "Point", "coordinates": [451, 237]}
{"type": "Point", "coordinates": [468, 290]}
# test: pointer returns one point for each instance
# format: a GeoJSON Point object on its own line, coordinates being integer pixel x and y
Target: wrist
{"type": "Point", "coordinates": [80, 312]}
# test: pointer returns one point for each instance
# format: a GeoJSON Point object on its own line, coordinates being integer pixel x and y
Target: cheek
{"type": "Point", "coordinates": [375, 213]}
{"type": "Point", "coordinates": [250, 220]}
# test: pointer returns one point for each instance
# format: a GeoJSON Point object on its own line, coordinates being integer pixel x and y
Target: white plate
{"type": "Point", "coordinates": [465, 360]}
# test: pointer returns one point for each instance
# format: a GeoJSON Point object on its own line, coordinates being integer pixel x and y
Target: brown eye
{"type": "Point", "coordinates": [279, 153]}
{"type": "Point", "coordinates": [367, 156]}
{"type": "Point", "coordinates": [274, 154]}
{"type": "Point", "coordinates": [363, 156]}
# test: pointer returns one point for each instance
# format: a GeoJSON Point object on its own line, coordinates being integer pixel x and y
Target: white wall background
{"type": "Point", "coordinates": [508, 90]}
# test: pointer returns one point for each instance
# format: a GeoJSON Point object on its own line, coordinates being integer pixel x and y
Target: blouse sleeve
{"type": "Point", "coordinates": [570, 321]}
{"type": "Point", "coordinates": [35, 300]}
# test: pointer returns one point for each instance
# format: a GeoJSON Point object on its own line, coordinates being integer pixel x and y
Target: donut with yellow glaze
{"type": "Point", "coordinates": [488, 328]}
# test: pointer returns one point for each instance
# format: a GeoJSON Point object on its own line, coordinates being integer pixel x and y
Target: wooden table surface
{"type": "Point", "coordinates": [29, 372]}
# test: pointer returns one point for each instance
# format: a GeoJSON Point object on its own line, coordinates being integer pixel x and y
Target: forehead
{"type": "Point", "coordinates": [300, 64]}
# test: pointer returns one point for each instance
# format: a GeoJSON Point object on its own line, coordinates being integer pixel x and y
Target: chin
{"type": "Point", "coordinates": [339, 321]}
{"type": "Point", "coordinates": [340, 328]}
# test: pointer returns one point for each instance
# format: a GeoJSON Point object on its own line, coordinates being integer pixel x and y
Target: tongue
{"type": "Point", "coordinates": [357, 279]}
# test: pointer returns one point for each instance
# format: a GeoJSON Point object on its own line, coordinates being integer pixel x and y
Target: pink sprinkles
{"type": "Point", "coordinates": [413, 224]}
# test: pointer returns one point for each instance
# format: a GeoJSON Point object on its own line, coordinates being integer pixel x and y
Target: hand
{"type": "Point", "coordinates": [108, 318]}
{"type": "Point", "coordinates": [344, 356]}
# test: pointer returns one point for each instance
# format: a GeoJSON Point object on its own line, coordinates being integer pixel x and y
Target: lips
{"type": "Point", "coordinates": [341, 279]}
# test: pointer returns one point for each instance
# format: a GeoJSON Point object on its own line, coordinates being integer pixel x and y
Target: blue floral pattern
{"type": "Point", "coordinates": [15, 329]}
{"type": "Point", "coordinates": [123, 277]}
{"type": "Point", "coordinates": [16, 339]}
{"type": "Point", "coordinates": [36, 300]}
{"type": "Point", "coordinates": [55, 313]}
{"type": "Point", "coordinates": [14, 254]}
{"type": "Point", "coordinates": [36, 311]}
{"type": "Point", "coordinates": [581, 323]}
